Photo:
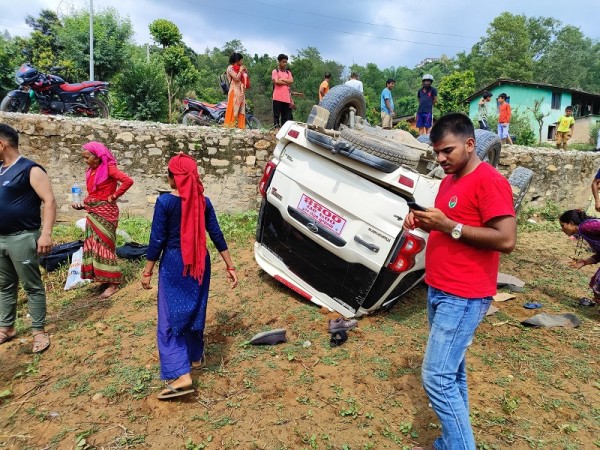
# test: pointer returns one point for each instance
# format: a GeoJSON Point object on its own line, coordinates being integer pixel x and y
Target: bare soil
{"type": "Point", "coordinates": [96, 386]}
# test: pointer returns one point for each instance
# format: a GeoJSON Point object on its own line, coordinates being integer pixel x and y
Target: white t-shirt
{"type": "Point", "coordinates": [356, 84]}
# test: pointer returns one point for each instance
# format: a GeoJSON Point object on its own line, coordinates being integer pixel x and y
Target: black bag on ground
{"type": "Point", "coordinates": [61, 254]}
{"type": "Point", "coordinates": [132, 250]}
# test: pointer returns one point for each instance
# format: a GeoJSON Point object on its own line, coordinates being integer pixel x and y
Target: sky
{"type": "Point", "coordinates": [387, 33]}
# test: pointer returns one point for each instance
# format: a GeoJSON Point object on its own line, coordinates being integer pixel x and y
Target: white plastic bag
{"type": "Point", "coordinates": [74, 279]}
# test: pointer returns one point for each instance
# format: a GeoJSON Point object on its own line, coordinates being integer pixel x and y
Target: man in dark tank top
{"type": "Point", "coordinates": [24, 186]}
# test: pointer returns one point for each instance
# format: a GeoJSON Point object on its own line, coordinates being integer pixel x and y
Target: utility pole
{"type": "Point", "coordinates": [91, 40]}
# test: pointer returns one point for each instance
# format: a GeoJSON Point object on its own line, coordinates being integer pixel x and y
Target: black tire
{"type": "Point", "coordinates": [192, 118]}
{"type": "Point", "coordinates": [252, 123]}
{"type": "Point", "coordinates": [338, 101]}
{"type": "Point", "coordinates": [520, 179]}
{"type": "Point", "coordinates": [383, 148]}
{"type": "Point", "coordinates": [99, 107]}
{"type": "Point", "coordinates": [487, 146]}
{"type": "Point", "coordinates": [13, 104]}
{"type": "Point", "coordinates": [424, 139]}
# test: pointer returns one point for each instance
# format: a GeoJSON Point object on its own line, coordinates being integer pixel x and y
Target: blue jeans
{"type": "Point", "coordinates": [452, 324]}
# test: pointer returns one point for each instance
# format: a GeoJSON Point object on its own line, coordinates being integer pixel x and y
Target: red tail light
{"type": "Point", "coordinates": [266, 178]}
{"type": "Point", "coordinates": [405, 259]}
{"type": "Point", "coordinates": [185, 101]}
{"type": "Point", "coordinates": [293, 133]}
{"type": "Point", "coordinates": [293, 287]}
{"type": "Point", "coordinates": [408, 182]}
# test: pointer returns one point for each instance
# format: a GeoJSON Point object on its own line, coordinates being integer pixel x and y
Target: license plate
{"type": "Point", "coordinates": [321, 214]}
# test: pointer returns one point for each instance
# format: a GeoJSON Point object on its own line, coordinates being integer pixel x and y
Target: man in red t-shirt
{"type": "Point", "coordinates": [472, 222]}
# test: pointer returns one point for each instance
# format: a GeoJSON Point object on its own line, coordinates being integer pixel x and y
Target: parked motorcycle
{"type": "Point", "coordinates": [54, 95]}
{"type": "Point", "coordinates": [196, 112]}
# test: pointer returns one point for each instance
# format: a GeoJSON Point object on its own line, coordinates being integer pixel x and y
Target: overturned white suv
{"type": "Point", "coordinates": [334, 200]}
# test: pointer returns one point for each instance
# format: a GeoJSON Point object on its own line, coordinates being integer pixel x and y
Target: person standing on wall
{"type": "Point", "coordinates": [282, 96]}
{"type": "Point", "coordinates": [354, 82]}
{"type": "Point", "coordinates": [427, 97]}
{"type": "Point", "coordinates": [324, 87]}
{"type": "Point", "coordinates": [24, 186]}
{"type": "Point", "coordinates": [504, 115]}
{"type": "Point", "coordinates": [387, 105]}
{"type": "Point", "coordinates": [482, 110]}
{"type": "Point", "coordinates": [473, 221]}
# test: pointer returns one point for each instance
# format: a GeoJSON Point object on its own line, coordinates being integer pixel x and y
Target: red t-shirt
{"type": "Point", "coordinates": [505, 113]}
{"type": "Point", "coordinates": [452, 265]}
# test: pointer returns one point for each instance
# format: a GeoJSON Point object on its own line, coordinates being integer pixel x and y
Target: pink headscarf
{"type": "Point", "coordinates": [106, 157]}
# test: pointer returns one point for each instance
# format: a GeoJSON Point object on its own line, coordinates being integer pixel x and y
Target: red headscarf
{"type": "Point", "coordinates": [106, 157]}
{"type": "Point", "coordinates": [193, 229]}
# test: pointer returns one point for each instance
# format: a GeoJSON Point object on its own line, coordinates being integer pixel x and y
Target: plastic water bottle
{"type": "Point", "coordinates": [76, 196]}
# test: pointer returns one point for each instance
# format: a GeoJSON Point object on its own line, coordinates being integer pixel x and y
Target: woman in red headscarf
{"type": "Point", "coordinates": [105, 184]}
{"type": "Point", "coordinates": [181, 221]}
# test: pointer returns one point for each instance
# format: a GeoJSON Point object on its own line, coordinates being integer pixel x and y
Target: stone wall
{"type": "Point", "coordinates": [231, 161]}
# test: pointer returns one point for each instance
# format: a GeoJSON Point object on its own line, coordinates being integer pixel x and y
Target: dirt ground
{"type": "Point", "coordinates": [96, 386]}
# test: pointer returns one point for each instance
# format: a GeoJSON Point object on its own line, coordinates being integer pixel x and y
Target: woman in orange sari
{"type": "Point", "coordinates": [105, 184]}
{"type": "Point", "coordinates": [236, 99]}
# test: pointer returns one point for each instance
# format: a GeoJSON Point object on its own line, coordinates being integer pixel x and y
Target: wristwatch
{"type": "Point", "coordinates": [456, 232]}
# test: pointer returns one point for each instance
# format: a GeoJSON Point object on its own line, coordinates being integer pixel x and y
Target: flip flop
{"type": "Point", "coordinates": [41, 341]}
{"type": "Point", "coordinates": [197, 365]}
{"type": "Point", "coordinates": [175, 392]}
{"type": "Point", "coordinates": [586, 302]}
{"type": "Point", "coordinates": [5, 337]}
{"type": "Point", "coordinates": [532, 305]}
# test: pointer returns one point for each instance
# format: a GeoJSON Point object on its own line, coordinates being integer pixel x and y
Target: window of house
{"type": "Point", "coordinates": [556, 97]}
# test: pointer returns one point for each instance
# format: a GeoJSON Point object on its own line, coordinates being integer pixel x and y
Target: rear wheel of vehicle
{"type": "Point", "coordinates": [98, 107]}
{"type": "Point", "coordinates": [488, 146]}
{"type": "Point", "coordinates": [338, 102]}
{"type": "Point", "coordinates": [252, 123]}
{"type": "Point", "coordinates": [193, 118]}
{"type": "Point", "coordinates": [383, 148]}
{"type": "Point", "coordinates": [424, 139]}
{"type": "Point", "coordinates": [14, 104]}
{"type": "Point", "coordinates": [520, 180]}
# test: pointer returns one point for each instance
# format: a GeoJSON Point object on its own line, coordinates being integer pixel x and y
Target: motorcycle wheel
{"type": "Point", "coordinates": [192, 118]}
{"type": "Point", "coordinates": [252, 123]}
{"type": "Point", "coordinates": [10, 104]}
{"type": "Point", "coordinates": [99, 107]}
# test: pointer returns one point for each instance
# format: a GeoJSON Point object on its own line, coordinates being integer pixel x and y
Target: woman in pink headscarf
{"type": "Point", "coordinates": [105, 184]}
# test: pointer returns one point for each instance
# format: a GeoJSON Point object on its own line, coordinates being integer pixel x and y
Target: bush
{"type": "Point", "coordinates": [404, 125]}
{"type": "Point", "coordinates": [594, 130]}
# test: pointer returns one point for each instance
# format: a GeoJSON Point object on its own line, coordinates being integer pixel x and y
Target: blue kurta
{"type": "Point", "coordinates": [181, 299]}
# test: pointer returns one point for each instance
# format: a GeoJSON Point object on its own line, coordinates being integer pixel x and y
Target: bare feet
{"type": "Point", "coordinates": [110, 290]}
{"type": "Point", "coordinates": [7, 334]}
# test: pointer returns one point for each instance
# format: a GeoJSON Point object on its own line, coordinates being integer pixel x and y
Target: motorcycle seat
{"type": "Point", "coordinates": [75, 87]}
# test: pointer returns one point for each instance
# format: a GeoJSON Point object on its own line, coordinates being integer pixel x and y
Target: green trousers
{"type": "Point", "coordinates": [19, 262]}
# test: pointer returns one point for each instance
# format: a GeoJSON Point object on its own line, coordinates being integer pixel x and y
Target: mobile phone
{"type": "Point", "coordinates": [416, 206]}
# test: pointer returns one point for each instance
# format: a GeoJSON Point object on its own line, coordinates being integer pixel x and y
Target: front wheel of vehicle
{"type": "Point", "coordinates": [338, 102]}
{"type": "Point", "coordinates": [14, 104]}
{"type": "Point", "coordinates": [487, 146]}
{"type": "Point", "coordinates": [98, 108]}
{"type": "Point", "coordinates": [194, 118]}
{"type": "Point", "coordinates": [252, 123]}
{"type": "Point", "coordinates": [520, 180]}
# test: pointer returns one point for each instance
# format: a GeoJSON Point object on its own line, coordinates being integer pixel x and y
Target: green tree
{"type": "Point", "coordinates": [539, 116]}
{"type": "Point", "coordinates": [112, 41]}
{"type": "Point", "coordinates": [453, 90]}
{"type": "Point", "coordinates": [140, 89]}
{"type": "Point", "coordinates": [180, 73]}
{"type": "Point", "coordinates": [10, 59]}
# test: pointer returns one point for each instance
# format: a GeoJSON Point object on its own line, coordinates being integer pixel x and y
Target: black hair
{"type": "Point", "coordinates": [569, 108]}
{"type": "Point", "coordinates": [503, 95]}
{"type": "Point", "coordinates": [575, 216]}
{"type": "Point", "coordinates": [327, 75]}
{"type": "Point", "coordinates": [455, 123]}
{"type": "Point", "coordinates": [390, 80]}
{"type": "Point", "coordinates": [235, 57]}
{"type": "Point", "coordinates": [487, 94]}
{"type": "Point", "coordinates": [282, 56]}
{"type": "Point", "coordinates": [170, 173]}
{"type": "Point", "coordinates": [9, 134]}
{"type": "Point", "coordinates": [353, 75]}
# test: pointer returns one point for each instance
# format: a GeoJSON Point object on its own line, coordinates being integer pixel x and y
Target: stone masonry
{"type": "Point", "coordinates": [231, 162]}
